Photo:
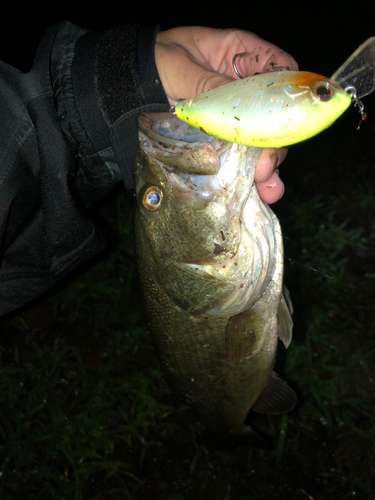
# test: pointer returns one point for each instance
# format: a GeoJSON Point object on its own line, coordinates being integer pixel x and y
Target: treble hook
{"type": "Point", "coordinates": [352, 91]}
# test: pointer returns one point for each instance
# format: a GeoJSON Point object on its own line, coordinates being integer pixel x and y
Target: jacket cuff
{"type": "Point", "coordinates": [128, 82]}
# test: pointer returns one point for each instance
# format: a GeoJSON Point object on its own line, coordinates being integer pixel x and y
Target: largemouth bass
{"type": "Point", "coordinates": [210, 259]}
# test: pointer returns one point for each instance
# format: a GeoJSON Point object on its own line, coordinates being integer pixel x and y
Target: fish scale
{"type": "Point", "coordinates": [199, 367]}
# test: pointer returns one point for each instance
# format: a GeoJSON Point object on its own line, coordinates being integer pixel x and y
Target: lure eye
{"type": "Point", "coordinates": [323, 92]}
{"type": "Point", "coordinates": [152, 198]}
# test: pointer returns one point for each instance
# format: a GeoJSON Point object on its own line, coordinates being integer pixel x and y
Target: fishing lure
{"type": "Point", "coordinates": [280, 108]}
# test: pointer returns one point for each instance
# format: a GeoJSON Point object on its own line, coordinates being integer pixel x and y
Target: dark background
{"type": "Point", "coordinates": [320, 38]}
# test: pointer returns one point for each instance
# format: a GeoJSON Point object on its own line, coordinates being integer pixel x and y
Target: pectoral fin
{"type": "Point", "coordinates": [276, 398]}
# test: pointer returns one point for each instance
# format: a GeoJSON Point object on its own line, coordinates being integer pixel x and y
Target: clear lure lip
{"type": "Point", "coordinates": [357, 74]}
{"type": "Point", "coordinates": [358, 71]}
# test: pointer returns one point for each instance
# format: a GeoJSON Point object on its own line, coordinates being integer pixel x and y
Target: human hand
{"type": "Point", "coordinates": [194, 59]}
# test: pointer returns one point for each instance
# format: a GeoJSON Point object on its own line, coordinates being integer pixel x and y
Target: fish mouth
{"type": "Point", "coordinates": [247, 268]}
{"type": "Point", "coordinates": [169, 127]}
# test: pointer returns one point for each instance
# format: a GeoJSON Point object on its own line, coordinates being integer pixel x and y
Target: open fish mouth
{"type": "Point", "coordinates": [249, 261]}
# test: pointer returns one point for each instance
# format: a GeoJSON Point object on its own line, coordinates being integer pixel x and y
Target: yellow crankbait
{"type": "Point", "coordinates": [280, 108]}
{"type": "Point", "coordinates": [267, 110]}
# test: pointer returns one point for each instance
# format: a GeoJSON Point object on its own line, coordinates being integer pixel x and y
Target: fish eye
{"type": "Point", "coordinates": [323, 92]}
{"type": "Point", "coordinates": [152, 198]}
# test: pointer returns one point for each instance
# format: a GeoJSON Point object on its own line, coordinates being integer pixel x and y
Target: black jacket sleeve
{"type": "Point", "coordinates": [67, 135]}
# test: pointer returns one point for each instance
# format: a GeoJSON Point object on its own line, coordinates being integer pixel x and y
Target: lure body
{"type": "Point", "coordinates": [268, 110]}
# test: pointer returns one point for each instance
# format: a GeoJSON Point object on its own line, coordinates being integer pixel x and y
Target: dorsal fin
{"type": "Point", "coordinates": [276, 398]}
{"type": "Point", "coordinates": [284, 312]}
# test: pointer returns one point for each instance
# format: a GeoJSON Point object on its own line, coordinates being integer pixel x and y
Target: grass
{"type": "Point", "coordinates": [80, 412]}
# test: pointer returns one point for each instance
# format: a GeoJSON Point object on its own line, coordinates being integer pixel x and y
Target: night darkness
{"type": "Point", "coordinates": [327, 218]}
{"type": "Point", "coordinates": [320, 38]}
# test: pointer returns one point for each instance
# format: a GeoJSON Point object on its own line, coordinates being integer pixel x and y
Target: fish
{"type": "Point", "coordinates": [269, 110]}
{"type": "Point", "coordinates": [210, 262]}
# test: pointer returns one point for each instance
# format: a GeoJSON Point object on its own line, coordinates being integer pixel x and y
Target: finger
{"type": "Point", "coordinates": [218, 47]}
{"type": "Point", "coordinates": [250, 63]}
{"type": "Point", "coordinates": [269, 159]}
{"type": "Point", "coordinates": [272, 189]}
{"type": "Point", "coordinates": [277, 60]}
{"type": "Point", "coordinates": [261, 55]}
